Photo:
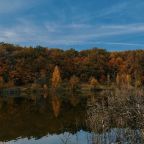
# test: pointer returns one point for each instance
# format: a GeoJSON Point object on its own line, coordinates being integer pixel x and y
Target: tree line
{"type": "Point", "coordinates": [26, 65]}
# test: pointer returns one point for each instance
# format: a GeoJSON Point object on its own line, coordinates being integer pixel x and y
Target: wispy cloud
{"type": "Point", "coordinates": [8, 6]}
{"type": "Point", "coordinates": [119, 43]}
{"type": "Point", "coordinates": [66, 34]}
{"type": "Point", "coordinates": [83, 32]}
{"type": "Point", "coordinates": [123, 12]}
{"type": "Point", "coordinates": [113, 9]}
{"type": "Point", "coordinates": [117, 8]}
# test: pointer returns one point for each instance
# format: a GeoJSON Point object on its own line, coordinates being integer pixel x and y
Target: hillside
{"type": "Point", "coordinates": [25, 65]}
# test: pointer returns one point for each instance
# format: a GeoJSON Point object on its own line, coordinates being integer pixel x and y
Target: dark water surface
{"type": "Point", "coordinates": [104, 117]}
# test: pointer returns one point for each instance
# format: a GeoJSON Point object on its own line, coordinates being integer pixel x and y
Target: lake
{"type": "Point", "coordinates": [104, 117]}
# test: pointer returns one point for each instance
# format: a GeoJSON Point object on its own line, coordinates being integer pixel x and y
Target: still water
{"type": "Point", "coordinates": [105, 117]}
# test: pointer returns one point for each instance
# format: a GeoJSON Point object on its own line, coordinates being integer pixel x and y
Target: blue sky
{"type": "Point", "coordinates": [80, 24]}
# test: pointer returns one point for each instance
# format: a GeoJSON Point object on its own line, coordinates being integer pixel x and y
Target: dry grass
{"type": "Point", "coordinates": [125, 109]}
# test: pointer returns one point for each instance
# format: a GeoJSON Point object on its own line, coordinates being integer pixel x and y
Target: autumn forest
{"type": "Point", "coordinates": [28, 65]}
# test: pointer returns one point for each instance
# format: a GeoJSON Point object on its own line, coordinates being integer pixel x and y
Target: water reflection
{"type": "Point", "coordinates": [36, 116]}
{"type": "Point", "coordinates": [56, 105]}
{"type": "Point", "coordinates": [74, 99]}
{"type": "Point", "coordinates": [103, 117]}
{"type": "Point", "coordinates": [117, 135]}
{"type": "Point", "coordinates": [82, 137]}
{"type": "Point", "coordinates": [116, 116]}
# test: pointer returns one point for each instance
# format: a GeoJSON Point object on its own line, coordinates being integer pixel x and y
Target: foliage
{"type": "Point", "coordinates": [56, 77]}
{"type": "Point", "coordinates": [93, 82]}
{"type": "Point", "coordinates": [25, 65]}
{"type": "Point", "coordinates": [1, 82]}
{"type": "Point", "coordinates": [74, 81]}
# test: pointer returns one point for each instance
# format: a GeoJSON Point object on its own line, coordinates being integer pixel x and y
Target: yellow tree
{"type": "Point", "coordinates": [93, 82]}
{"type": "Point", "coordinates": [128, 80]}
{"type": "Point", "coordinates": [56, 77]}
{"type": "Point", "coordinates": [74, 81]}
{"type": "Point", "coordinates": [138, 82]}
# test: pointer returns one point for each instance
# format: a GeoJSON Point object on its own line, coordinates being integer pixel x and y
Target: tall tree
{"type": "Point", "coordinates": [56, 77]}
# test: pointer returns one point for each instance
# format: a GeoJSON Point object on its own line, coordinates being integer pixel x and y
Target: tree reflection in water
{"type": "Point", "coordinates": [56, 104]}
{"type": "Point", "coordinates": [101, 118]}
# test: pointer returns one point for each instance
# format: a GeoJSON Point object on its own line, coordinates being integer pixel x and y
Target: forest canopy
{"type": "Point", "coordinates": [24, 65]}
